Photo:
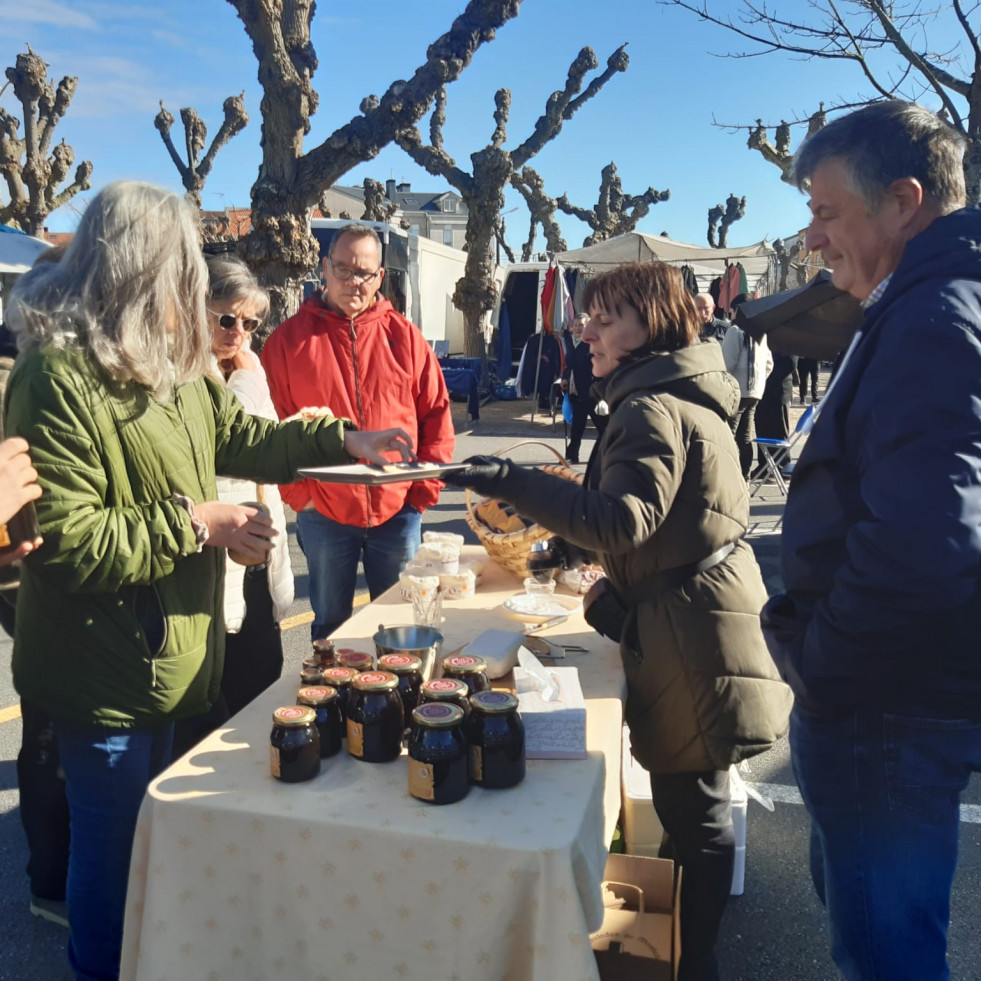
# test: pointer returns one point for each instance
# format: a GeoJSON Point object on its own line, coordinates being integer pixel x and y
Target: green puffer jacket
{"type": "Point", "coordinates": [663, 490]}
{"type": "Point", "coordinates": [118, 615]}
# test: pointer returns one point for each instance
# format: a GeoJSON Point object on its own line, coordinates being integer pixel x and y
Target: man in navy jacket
{"type": "Point", "coordinates": [879, 631]}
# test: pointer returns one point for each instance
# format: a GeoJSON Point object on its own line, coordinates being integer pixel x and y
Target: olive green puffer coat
{"type": "Point", "coordinates": [663, 489]}
{"type": "Point", "coordinates": [119, 616]}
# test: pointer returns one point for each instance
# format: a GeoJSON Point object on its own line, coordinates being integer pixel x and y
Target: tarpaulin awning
{"type": "Point", "coordinates": [18, 251]}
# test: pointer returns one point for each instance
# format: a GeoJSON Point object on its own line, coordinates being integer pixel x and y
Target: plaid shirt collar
{"type": "Point", "coordinates": [876, 294]}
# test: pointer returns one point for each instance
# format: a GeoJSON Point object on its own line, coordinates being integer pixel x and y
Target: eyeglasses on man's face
{"type": "Point", "coordinates": [227, 321]}
{"type": "Point", "coordinates": [345, 274]}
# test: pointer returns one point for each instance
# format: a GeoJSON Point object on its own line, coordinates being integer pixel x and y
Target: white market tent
{"type": "Point", "coordinates": [18, 251]}
{"type": "Point", "coordinates": [757, 260]}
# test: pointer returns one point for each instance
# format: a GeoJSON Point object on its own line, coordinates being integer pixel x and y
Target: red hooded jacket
{"type": "Point", "coordinates": [376, 370]}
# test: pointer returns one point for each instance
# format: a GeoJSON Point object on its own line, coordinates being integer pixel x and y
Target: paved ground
{"type": "Point", "coordinates": [774, 932]}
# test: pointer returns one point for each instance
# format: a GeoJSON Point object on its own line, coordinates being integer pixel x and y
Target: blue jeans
{"type": "Point", "coordinates": [333, 551]}
{"type": "Point", "coordinates": [883, 792]}
{"type": "Point", "coordinates": [106, 775]}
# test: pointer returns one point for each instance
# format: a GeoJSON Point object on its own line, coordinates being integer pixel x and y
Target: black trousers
{"type": "Point", "coordinates": [696, 812]}
{"type": "Point", "coordinates": [807, 368]}
{"type": "Point", "coordinates": [43, 804]}
{"type": "Point", "coordinates": [581, 409]}
{"type": "Point", "coordinates": [744, 429]}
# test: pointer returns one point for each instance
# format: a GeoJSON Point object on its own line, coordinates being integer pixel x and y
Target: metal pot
{"type": "Point", "coordinates": [424, 642]}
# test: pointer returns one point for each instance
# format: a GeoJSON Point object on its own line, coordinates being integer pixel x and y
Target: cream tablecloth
{"type": "Point", "coordinates": [236, 875]}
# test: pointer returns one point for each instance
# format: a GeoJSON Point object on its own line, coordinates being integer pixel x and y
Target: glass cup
{"type": "Point", "coordinates": [539, 594]}
{"type": "Point", "coordinates": [427, 607]}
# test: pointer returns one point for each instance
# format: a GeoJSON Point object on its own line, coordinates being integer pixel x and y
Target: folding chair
{"type": "Point", "coordinates": [777, 453]}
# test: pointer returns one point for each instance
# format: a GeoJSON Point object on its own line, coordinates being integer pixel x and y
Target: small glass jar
{"type": "Point", "coordinates": [311, 673]}
{"type": "Point", "coordinates": [324, 700]}
{"type": "Point", "coordinates": [497, 740]}
{"type": "Point", "coordinates": [446, 690]}
{"type": "Point", "coordinates": [438, 763]}
{"type": "Point", "coordinates": [359, 660]}
{"type": "Point", "coordinates": [294, 744]}
{"type": "Point", "coordinates": [375, 718]}
{"type": "Point", "coordinates": [472, 671]}
{"type": "Point", "coordinates": [323, 651]}
{"type": "Point", "coordinates": [340, 678]}
{"type": "Point", "coordinates": [408, 669]}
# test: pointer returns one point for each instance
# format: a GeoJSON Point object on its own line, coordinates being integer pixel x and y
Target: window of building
{"type": "Point", "coordinates": [449, 204]}
{"type": "Point", "coordinates": [414, 228]}
{"type": "Point", "coordinates": [447, 236]}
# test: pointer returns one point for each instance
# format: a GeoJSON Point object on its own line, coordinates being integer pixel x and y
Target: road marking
{"type": "Point", "coordinates": [9, 714]}
{"type": "Point", "coordinates": [782, 793]}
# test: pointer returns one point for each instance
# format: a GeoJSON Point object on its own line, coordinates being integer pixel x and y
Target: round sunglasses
{"type": "Point", "coordinates": [227, 321]}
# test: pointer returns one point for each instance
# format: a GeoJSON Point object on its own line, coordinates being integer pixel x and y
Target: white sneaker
{"type": "Point", "coordinates": [52, 910]}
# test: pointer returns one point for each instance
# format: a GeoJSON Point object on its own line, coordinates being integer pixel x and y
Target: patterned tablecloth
{"type": "Point", "coordinates": [236, 875]}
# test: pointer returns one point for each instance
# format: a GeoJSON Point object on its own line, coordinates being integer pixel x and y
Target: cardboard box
{"type": "Point", "coordinates": [553, 730]}
{"type": "Point", "coordinates": [640, 940]}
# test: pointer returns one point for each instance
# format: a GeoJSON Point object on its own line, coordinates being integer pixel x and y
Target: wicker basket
{"type": "Point", "coordinates": [506, 536]}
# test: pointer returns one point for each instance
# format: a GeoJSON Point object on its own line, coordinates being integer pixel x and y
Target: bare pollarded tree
{"type": "Point", "coordinates": [887, 43]}
{"type": "Point", "coordinates": [530, 184]}
{"type": "Point", "coordinates": [483, 189]}
{"type": "Point", "coordinates": [194, 170]}
{"type": "Point", "coordinates": [376, 206]}
{"type": "Point", "coordinates": [614, 213]}
{"type": "Point", "coordinates": [34, 172]}
{"type": "Point", "coordinates": [281, 247]}
{"type": "Point", "coordinates": [720, 219]}
{"type": "Point", "coordinates": [779, 152]}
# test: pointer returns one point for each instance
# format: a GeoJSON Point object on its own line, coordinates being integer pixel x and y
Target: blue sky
{"type": "Point", "coordinates": [655, 121]}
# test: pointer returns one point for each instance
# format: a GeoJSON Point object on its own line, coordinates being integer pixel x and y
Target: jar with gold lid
{"type": "Point", "coordinates": [294, 744]}
{"type": "Point", "coordinates": [340, 678]}
{"type": "Point", "coordinates": [408, 669]}
{"type": "Point", "coordinates": [471, 670]}
{"type": "Point", "coordinates": [323, 651]}
{"type": "Point", "coordinates": [446, 690]}
{"type": "Point", "coordinates": [311, 673]}
{"type": "Point", "coordinates": [324, 700]}
{"type": "Point", "coordinates": [375, 717]}
{"type": "Point", "coordinates": [359, 660]}
{"type": "Point", "coordinates": [497, 739]}
{"type": "Point", "coordinates": [438, 764]}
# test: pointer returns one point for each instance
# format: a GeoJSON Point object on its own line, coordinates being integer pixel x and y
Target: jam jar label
{"type": "Point", "coordinates": [476, 763]}
{"type": "Point", "coordinates": [421, 780]}
{"type": "Point", "coordinates": [339, 674]}
{"type": "Point", "coordinates": [274, 762]}
{"type": "Point", "coordinates": [313, 692]}
{"type": "Point", "coordinates": [494, 698]}
{"type": "Point", "coordinates": [437, 711]}
{"type": "Point", "coordinates": [355, 738]}
{"type": "Point", "coordinates": [290, 712]}
{"type": "Point", "coordinates": [462, 661]}
{"type": "Point", "coordinates": [374, 678]}
{"type": "Point", "coordinates": [400, 660]}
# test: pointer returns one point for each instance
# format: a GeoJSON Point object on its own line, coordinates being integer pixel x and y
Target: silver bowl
{"type": "Point", "coordinates": [410, 638]}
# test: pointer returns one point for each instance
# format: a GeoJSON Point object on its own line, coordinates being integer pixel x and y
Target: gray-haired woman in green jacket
{"type": "Point", "coordinates": [663, 509]}
{"type": "Point", "coordinates": [119, 627]}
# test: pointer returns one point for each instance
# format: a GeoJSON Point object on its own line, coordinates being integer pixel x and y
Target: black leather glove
{"type": "Point", "coordinates": [484, 474]}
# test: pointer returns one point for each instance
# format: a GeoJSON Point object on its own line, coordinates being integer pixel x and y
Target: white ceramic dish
{"type": "Point", "coordinates": [520, 605]}
{"type": "Point", "coordinates": [371, 473]}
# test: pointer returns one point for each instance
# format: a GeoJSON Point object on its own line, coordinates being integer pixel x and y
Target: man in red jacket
{"type": "Point", "coordinates": [349, 350]}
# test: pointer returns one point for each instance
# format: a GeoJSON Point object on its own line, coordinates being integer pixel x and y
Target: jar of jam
{"type": "Point", "coordinates": [497, 740]}
{"type": "Point", "coordinates": [329, 720]}
{"type": "Point", "coordinates": [375, 717]}
{"type": "Point", "coordinates": [472, 671]}
{"type": "Point", "coordinates": [408, 669]}
{"type": "Point", "coordinates": [323, 651]}
{"type": "Point", "coordinates": [438, 764]}
{"type": "Point", "coordinates": [294, 744]}
{"type": "Point", "coordinates": [340, 678]}
{"type": "Point", "coordinates": [359, 660]}
{"type": "Point", "coordinates": [311, 673]}
{"type": "Point", "coordinates": [446, 690]}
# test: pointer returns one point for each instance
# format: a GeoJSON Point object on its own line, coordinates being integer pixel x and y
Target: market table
{"type": "Point", "coordinates": [237, 875]}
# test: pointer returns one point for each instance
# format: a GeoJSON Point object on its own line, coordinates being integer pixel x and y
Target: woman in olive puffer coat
{"type": "Point", "coordinates": [663, 509]}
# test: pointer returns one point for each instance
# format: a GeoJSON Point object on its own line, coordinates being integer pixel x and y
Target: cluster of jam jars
{"type": "Point", "coordinates": [460, 731]}
{"type": "Point", "coordinates": [464, 733]}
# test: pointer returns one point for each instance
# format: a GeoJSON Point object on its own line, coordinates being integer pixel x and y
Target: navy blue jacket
{"type": "Point", "coordinates": [881, 544]}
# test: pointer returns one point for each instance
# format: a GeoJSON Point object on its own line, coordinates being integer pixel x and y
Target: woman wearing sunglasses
{"type": "Point", "coordinates": [119, 630]}
{"type": "Point", "coordinates": [257, 596]}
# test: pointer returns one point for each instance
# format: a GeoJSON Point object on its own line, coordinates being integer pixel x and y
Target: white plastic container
{"type": "Point", "coordinates": [642, 831]}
